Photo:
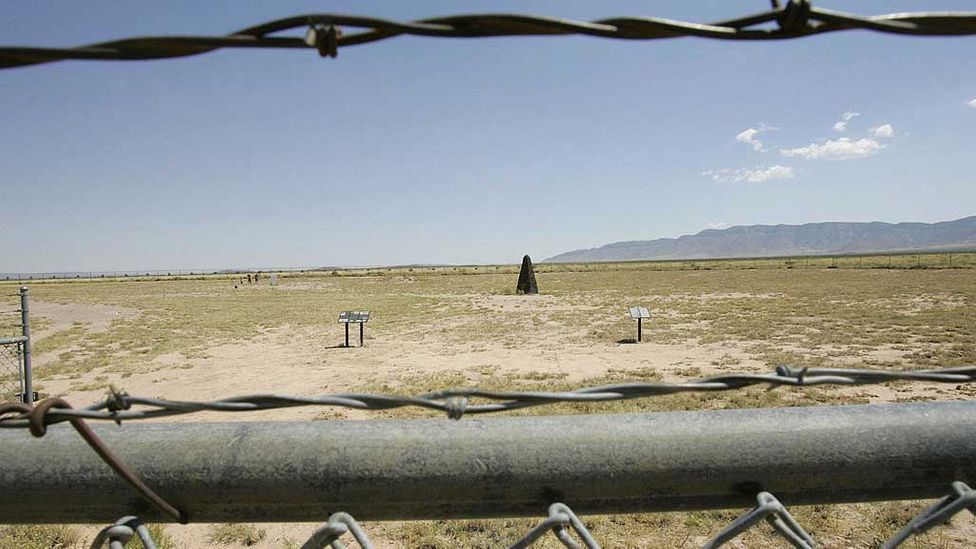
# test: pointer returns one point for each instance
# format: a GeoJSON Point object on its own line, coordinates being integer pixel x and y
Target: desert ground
{"type": "Point", "coordinates": [201, 339]}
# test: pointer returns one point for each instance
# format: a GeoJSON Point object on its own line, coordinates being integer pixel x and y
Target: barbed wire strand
{"type": "Point", "coordinates": [119, 406]}
{"type": "Point", "coordinates": [324, 32]}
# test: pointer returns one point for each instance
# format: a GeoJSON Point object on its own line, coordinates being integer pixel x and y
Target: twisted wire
{"type": "Point", "coordinates": [324, 32]}
{"type": "Point", "coordinates": [455, 403]}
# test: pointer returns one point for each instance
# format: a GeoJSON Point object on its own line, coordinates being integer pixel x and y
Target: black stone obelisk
{"type": "Point", "coordinates": [526, 281]}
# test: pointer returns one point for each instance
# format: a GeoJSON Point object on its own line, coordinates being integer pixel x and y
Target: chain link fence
{"type": "Point", "coordinates": [14, 346]}
{"type": "Point", "coordinates": [466, 467]}
{"type": "Point", "coordinates": [11, 368]}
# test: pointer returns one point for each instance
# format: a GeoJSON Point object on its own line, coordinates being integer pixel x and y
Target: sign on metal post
{"type": "Point", "coordinates": [354, 317]}
{"type": "Point", "coordinates": [639, 313]}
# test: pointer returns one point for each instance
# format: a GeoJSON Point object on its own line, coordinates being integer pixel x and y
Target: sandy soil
{"type": "Point", "coordinates": [95, 318]}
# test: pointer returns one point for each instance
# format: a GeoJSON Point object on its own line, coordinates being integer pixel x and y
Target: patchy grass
{"type": "Point", "coordinates": [831, 315]}
{"type": "Point", "coordinates": [63, 536]}
{"type": "Point", "coordinates": [39, 536]}
{"type": "Point", "coordinates": [236, 534]}
{"type": "Point", "coordinates": [159, 535]}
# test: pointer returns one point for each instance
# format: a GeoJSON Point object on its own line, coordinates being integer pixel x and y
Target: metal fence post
{"type": "Point", "coordinates": [28, 395]}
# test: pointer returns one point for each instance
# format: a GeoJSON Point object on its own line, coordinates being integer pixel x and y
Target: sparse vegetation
{"type": "Point", "coordinates": [751, 316]}
{"type": "Point", "coordinates": [236, 533]}
{"type": "Point", "coordinates": [39, 536]}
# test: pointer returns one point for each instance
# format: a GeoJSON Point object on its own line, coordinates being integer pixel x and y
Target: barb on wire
{"type": "Point", "coordinates": [769, 508]}
{"type": "Point", "coordinates": [960, 498]}
{"type": "Point", "coordinates": [119, 534]}
{"type": "Point", "coordinates": [560, 516]}
{"type": "Point", "coordinates": [797, 18]}
{"type": "Point", "coordinates": [119, 406]}
{"type": "Point", "coordinates": [329, 533]}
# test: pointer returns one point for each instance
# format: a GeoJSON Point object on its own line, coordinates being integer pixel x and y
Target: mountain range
{"type": "Point", "coordinates": [830, 238]}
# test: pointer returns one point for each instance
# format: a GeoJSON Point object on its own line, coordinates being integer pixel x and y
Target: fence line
{"type": "Point", "coordinates": [511, 466]}
{"type": "Point", "coordinates": [896, 261]}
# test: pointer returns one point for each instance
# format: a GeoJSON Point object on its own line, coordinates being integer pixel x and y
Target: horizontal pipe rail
{"type": "Point", "coordinates": [498, 466]}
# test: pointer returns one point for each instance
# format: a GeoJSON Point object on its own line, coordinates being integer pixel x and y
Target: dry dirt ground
{"type": "Point", "coordinates": [433, 328]}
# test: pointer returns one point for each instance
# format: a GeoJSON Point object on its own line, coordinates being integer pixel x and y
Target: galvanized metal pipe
{"type": "Point", "coordinates": [497, 466]}
{"type": "Point", "coordinates": [28, 374]}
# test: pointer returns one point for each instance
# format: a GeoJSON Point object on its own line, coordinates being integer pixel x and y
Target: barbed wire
{"type": "Point", "coordinates": [324, 32]}
{"type": "Point", "coordinates": [120, 406]}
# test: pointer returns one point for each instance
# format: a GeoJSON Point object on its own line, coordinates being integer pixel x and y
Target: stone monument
{"type": "Point", "coordinates": [526, 281]}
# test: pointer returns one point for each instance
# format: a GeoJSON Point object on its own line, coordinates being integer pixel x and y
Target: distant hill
{"type": "Point", "coordinates": [789, 240]}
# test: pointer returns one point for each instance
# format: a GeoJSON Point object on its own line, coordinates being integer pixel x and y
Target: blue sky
{"type": "Point", "coordinates": [463, 151]}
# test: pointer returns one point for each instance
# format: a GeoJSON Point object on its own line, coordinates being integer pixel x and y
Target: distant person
{"type": "Point", "coordinates": [248, 278]}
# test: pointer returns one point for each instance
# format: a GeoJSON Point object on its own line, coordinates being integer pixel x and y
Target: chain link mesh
{"type": "Point", "coordinates": [562, 520]}
{"type": "Point", "coordinates": [11, 368]}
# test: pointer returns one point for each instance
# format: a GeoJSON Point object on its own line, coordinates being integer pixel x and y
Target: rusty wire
{"type": "Point", "coordinates": [38, 427]}
{"type": "Point", "coordinates": [326, 32]}
{"type": "Point", "coordinates": [120, 406]}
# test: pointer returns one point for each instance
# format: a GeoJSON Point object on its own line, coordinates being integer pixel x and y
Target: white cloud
{"type": "Point", "coordinates": [972, 103]}
{"type": "Point", "coordinates": [844, 148]}
{"type": "Point", "coordinates": [759, 174]}
{"type": "Point", "coordinates": [749, 136]}
{"type": "Point", "coordinates": [841, 125]}
{"type": "Point", "coordinates": [717, 225]}
{"type": "Point", "coordinates": [884, 130]}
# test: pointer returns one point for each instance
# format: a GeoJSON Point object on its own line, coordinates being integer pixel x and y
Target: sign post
{"type": "Point", "coordinates": [354, 317]}
{"type": "Point", "coordinates": [639, 313]}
